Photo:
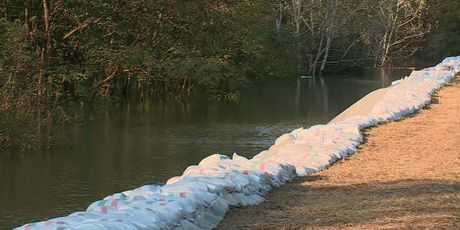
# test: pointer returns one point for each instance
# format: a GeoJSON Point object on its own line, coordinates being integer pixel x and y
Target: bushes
{"type": "Point", "coordinates": [28, 110]}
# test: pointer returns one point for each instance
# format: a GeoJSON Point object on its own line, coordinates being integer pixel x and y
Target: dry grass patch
{"type": "Point", "coordinates": [405, 176]}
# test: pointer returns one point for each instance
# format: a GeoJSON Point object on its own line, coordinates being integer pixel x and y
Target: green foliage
{"type": "Point", "coordinates": [103, 50]}
{"type": "Point", "coordinates": [98, 51]}
{"type": "Point", "coordinates": [25, 118]}
{"type": "Point", "coordinates": [16, 92]}
{"type": "Point", "coordinates": [445, 41]}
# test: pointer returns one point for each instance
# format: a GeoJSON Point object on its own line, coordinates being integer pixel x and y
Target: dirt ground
{"type": "Point", "coordinates": [405, 176]}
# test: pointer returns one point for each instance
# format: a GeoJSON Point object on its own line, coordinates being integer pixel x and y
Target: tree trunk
{"type": "Point", "coordinates": [279, 16]}
{"type": "Point", "coordinates": [27, 16]}
{"type": "Point", "coordinates": [297, 16]}
{"type": "Point", "coordinates": [326, 54]}
{"type": "Point", "coordinates": [318, 55]}
{"type": "Point", "coordinates": [46, 18]}
{"type": "Point", "coordinates": [3, 4]}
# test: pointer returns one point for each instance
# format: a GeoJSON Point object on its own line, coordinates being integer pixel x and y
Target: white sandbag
{"type": "Point", "coordinates": [200, 197]}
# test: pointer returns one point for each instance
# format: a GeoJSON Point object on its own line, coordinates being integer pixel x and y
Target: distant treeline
{"type": "Point", "coordinates": [55, 52]}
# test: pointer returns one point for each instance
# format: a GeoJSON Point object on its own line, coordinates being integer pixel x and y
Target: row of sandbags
{"type": "Point", "coordinates": [200, 197]}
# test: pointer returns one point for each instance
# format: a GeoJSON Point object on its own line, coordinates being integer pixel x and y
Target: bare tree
{"type": "Point", "coordinates": [398, 27]}
{"type": "Point", "coordinates": [334, 17]}
{"type": "Point", "coordinates": [295, 8]}
{"type": "Point", "coordinates": [331, 29]}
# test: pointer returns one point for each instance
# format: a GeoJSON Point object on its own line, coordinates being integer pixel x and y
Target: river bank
{"type": "Point", "coordinates": [406, 175]}
{"type": "Point", "coordinates": [125, 146]}
{"type": "Point", "coordinates": [200, 197]}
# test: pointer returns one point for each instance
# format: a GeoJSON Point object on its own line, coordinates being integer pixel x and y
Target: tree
{"type": "Point", "coordinates": [397, 28]}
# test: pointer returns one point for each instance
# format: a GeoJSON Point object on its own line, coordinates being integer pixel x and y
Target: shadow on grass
{"type": "Point", "coordinates": [309, 203]}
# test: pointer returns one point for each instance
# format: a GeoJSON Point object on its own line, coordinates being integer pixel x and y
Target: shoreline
{"type": "Point", "coordinates": [405, 175]}
{"type": "Point", "coordinates": [202, 195]}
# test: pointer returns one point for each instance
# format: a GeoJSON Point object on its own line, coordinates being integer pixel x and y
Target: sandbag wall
{"type": "Point", "coordinates": [200, 197]}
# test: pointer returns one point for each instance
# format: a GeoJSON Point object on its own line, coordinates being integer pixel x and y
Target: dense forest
{"type": "Point", "coordinates": [57, 53]}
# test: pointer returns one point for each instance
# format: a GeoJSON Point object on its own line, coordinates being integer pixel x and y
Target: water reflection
{"type": "Point", "coordinates": [128, 145]}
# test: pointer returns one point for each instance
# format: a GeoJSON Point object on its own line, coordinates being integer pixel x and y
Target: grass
{"type": "Point", "coordinates": [405, 176]}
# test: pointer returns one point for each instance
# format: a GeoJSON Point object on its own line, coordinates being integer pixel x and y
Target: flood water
{"type": "Point", "coordinates": [128, 145]}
